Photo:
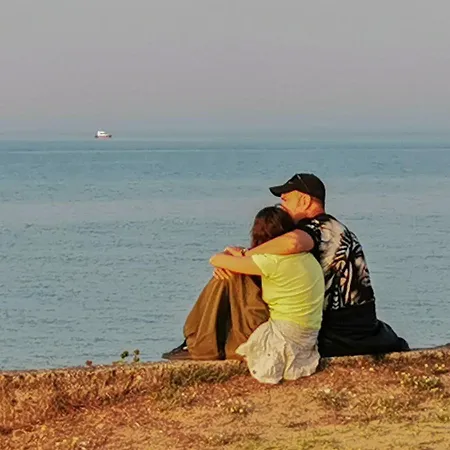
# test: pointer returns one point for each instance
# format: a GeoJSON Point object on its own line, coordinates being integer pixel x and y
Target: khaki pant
{"type": "Point", "coordinates": [224, 316]}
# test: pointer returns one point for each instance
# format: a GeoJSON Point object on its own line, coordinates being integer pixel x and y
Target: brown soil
{"type": "Point", "coordinates": [400, 402]}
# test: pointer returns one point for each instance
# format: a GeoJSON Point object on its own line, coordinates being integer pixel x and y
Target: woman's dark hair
{"type": "Point", "coordinates": [270, 223]}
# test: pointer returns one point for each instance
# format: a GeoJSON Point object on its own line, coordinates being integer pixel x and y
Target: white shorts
{"type": "Point", "coordinates": [279, 350]}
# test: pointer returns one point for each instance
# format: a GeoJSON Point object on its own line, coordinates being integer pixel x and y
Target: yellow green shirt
{"type": "Point", "coordinates": [293, 287]}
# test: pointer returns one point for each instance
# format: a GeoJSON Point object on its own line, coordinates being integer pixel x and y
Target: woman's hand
{"type": "Point", "coordinates": [222, 274]}
{"type": "Point", "coordinates": [233, 263]}
{"type": "Point", "coordinates": [218, 272]}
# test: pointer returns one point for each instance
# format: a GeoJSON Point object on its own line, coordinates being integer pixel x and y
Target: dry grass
{"type": "Point", "coordinates": [401, 401]}
{"type": "Point", "coordinates": [28, 398]}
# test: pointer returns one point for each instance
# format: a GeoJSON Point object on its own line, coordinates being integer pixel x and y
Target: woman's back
{"type": "Point", "coordinates": [293, 287]}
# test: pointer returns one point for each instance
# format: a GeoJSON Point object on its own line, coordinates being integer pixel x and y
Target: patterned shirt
{"type": "Point", "coordinates": [347, 280]}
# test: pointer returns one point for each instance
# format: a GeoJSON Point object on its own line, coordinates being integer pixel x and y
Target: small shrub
{"type": "Point", "coordinates": [334, 399]}
{"type": "Point", "coordinates": [236, 406]}
{"type": "Point", "coordinates": [427, 383]}
{"type": "Point", "coordinates": [179, 386]}
{"type": "Point", "coordinates": [443, 416]}
{"type": "Point", "coordinates": [439, 369]}
{"type": "Point", "coordinates": [392, 407]}
{"type": "Point", "coordinates": [175, 398]}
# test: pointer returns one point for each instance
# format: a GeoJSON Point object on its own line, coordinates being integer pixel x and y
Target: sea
{"type": "Point", "coordinates": [104, 245]}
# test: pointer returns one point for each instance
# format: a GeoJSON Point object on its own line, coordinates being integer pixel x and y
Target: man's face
{"type": "Point", "coordinates": [291, 203]}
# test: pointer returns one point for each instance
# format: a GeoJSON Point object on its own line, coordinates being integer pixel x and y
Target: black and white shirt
{"type": "Point", "coordinates": [347, 280]}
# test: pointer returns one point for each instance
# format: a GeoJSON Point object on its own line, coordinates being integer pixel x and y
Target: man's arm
{"type": "Point", "coordinates": [296, 241]}
{"type": "Point", "coordinates": [237, 264]}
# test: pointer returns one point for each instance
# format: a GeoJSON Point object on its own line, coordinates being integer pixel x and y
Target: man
{"type": "Point", "coordinates": [350, 325]}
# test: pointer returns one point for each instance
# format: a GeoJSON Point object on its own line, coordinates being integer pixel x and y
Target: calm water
{"type": "Point", "coordinates": [105, 245]}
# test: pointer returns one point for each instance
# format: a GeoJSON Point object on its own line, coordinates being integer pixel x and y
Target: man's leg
{"type": "Point", "coordinates": [357, 331]}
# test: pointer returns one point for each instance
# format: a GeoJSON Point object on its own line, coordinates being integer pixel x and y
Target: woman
{"type": "Point", "coordinates": [284, 347]}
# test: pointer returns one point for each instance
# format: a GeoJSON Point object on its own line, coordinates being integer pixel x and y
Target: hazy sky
{"type": "Point", "coordinates": [230, 63]}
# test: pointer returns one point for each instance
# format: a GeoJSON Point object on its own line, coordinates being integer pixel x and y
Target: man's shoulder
{"type": "Point", "coordinates": [324, 228]}
{"type": "Point", "coordinates": [314, 227]}
{"type": "Point", "coordinates": [320, 222]}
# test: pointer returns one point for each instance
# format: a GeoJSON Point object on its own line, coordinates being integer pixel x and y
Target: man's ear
{"type": "Point", "coordinates": [305, 201]}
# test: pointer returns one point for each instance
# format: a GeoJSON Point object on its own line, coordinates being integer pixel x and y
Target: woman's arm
{"type": "Point", "coordinates": [239, 264]}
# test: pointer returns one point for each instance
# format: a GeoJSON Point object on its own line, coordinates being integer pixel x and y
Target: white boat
{"type": "Point", "coordinates": [102, 135]}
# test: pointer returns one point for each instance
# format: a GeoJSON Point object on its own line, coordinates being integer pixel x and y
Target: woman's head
{"type": "Point", "coordinates": [270, 223]}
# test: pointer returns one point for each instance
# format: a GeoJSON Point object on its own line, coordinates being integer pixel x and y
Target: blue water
{"type": "Point", "coordinates": [105, 245]}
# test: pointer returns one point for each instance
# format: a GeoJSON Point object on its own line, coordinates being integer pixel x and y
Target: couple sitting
{"type": "Point", "coordinates": [313, 276]}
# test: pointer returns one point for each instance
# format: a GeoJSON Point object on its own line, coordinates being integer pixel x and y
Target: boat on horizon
{"type": "Point", "coordinates": [102, 135]}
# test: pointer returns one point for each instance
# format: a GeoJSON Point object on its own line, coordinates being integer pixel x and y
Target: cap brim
{"type": "Point", "coordinates": [278, 190]}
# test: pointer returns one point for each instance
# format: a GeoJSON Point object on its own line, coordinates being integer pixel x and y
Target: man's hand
{"type": "Point", "coordinates": [222, 274]}
{"type": "Point", "coordinates": [234, 251]}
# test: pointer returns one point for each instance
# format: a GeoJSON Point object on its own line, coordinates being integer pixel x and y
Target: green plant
{"type": "Point", "coordinates": [125, 357]}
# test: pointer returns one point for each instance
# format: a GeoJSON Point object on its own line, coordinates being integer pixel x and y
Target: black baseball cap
{"type": "Point", "coordinates": [307, 183]}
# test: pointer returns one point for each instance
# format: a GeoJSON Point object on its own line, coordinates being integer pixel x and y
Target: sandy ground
{"type": "Point", "coordinates": [363, 405]}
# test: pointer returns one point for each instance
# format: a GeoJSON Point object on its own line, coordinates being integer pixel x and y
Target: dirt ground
{"type": "Point", "coordinates": [396, 404]}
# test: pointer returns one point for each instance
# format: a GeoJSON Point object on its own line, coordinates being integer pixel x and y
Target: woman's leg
{"type": "Point", "coordinates": [201, 332]}
{"type": "Point", "coordinates": [224, 316]}
{"type": "Point", "coordinates": [247, 310]}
